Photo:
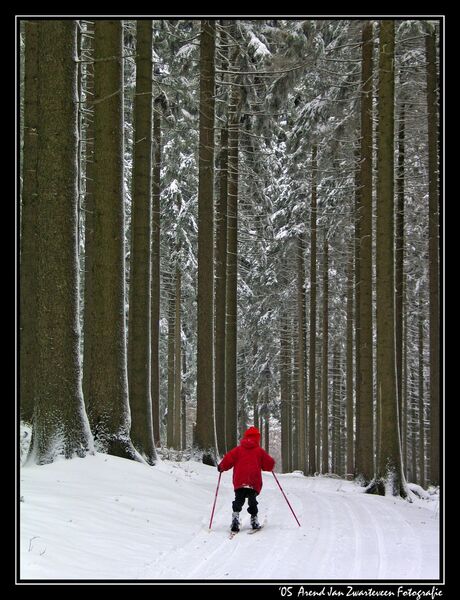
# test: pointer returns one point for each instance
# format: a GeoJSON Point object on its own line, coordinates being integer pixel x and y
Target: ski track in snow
{"type": "Point", "coordinates": [109, 518]}
{"type": "Point", "coordinates": [342, 536]}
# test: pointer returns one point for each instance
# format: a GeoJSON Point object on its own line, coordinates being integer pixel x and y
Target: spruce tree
{"type": "Point", "coordinates": [139, 339]}
{"type": "Point", "coordinates": [105, 373]}
{"type": "Point", "coordinates": [29, 230]}
{"type": "Point", "coordinates": [60, 425]}
{"type": "Point", "coordinates": [205, 437]}
{"type": "Point", "coordinates": [390, 477]}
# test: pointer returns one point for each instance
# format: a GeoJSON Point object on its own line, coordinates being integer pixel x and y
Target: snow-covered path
{"type": "Point", "coordinates": [107, 518]}
{"type": "Point", "coordinates": [342, 537]}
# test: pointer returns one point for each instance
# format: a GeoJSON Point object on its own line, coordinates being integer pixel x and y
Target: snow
{"type": "Point", "coordinates": [259, 48]}
{"type": "Point", "coordinates": [103, 517]}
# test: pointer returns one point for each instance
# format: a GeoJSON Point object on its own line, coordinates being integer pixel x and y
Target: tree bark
{"type": "Point", "coordinates": [405, 405]}
{"type": "Point", "coordinates": [89, 314]}
{"type": "Point", "coordinates": [256, 409]}
{"type": "Point", "coordinates": [301, 354]}
{"type": "Point", "coordinates": [364, 451]}
{"type": "Point", "coordinates": [267, 431]}
{"type": "Point", "coordinates": [284, 392]}
{"type": "Point", "coordinates": [349, 383]}
{"type": "Point", "coordinates": [295, 396]}
{"type": "Point", "coordinates": [29, 229]}
{"type": "Point", "coordinates": [60, 425]}
{"type": "Point", "coordinates": [205, 430]}
{"type": "Point", "coordinates": [231, 332]}
{"type": "Point", "coordinates": [105, 374]}
{"type": "Point", "coordinates": [155, 300]}
{"type": "Point", "coordinates": [421, 386]}
{"type": "Point", "coordinates": [357, 290]}
{"type": "Point", "coordinates": [325, 363]}
{"type": "Point", "coordinates": [184, 399]}
{"type": "Point", "coordinates": [434, 253]}
{"type": "Point", "coordinates": [313, 284]}
{"type": "Point", "coordinates": [390, 478]}
{"type": "Point", "coordinates": [242, 416]}
{"type": "Point", "coordinates": [289, 393]}
{"type": "Point", "coordinates": [171, 366]}
{"type": "Point", "coordinates": [335, 410]}
{"type": "Point", "coordinates": [399, 260]}
{"type": "Point", "coordinates": [220, 295]}
{"type": "Point", "coordinates": [177, 364]}
{"type": "Point", "coordinates": [139, 340]}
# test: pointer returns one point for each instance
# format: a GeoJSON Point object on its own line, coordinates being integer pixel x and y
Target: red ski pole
{"type": "Point", "coordinates": [215, 499]}
{"type": "Point", "coordinates": [276, 479]}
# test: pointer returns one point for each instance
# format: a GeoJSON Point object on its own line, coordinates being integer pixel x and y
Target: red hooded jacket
{"type": "Point", "coordinates": [248, 461]}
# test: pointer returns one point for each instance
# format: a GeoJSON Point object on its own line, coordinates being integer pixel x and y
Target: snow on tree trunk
{"type": "Point", "coordinates": [29, 230]}
{"type": "Point", "coordinates": [106, 382]}
{"type": "Point", "coordinates": [389, 470]}
{"type": "Point", "coordinates": [364, 453]}
{"type": "Point", "coordinates": [60, 425]}
{"type": "Point", "coordinates": [139, 339]}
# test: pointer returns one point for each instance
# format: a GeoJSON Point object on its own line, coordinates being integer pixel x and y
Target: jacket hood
{"type": "Point", "coordinates": [250, 442]}
{"type": "Point", "coordinates": [252, 432]}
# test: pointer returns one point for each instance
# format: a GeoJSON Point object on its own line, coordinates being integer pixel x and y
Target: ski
{"type": "Point", "coordinates": [255, 530]}
{"type": "Point", "coordinates": [232, 534]}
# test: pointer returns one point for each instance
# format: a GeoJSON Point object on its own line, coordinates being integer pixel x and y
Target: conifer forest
{"type": "Point", "coordinates": [233, 222]}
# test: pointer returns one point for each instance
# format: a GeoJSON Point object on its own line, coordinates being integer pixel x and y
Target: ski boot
{"type": "Point", "coordinates": [255, 522]}
{"type": "Point", "coordinates": [235, 526]}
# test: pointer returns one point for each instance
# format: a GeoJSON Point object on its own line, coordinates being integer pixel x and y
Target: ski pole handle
{"type": "Point", "coordinates": [215, 499]}
{"type": "Point", "coordinates": [276, 479]}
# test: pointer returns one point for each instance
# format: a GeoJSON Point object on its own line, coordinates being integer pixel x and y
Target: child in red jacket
{"type": "Point", "coordinates": [248, 461]}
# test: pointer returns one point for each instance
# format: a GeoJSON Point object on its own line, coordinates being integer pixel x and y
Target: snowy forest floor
{"type": "Point", "coordinates": [103, 517]}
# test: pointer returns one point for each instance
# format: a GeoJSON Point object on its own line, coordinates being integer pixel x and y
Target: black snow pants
{"type": "Point", "coordinates": [240, 496]}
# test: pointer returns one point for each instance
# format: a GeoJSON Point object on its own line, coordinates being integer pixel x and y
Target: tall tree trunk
{"type": "Point", "coordinates": [231, 332]}
{"type": "Point", "coordinates": [220, 294]}
{"type": "Point", "coordinates": [205, 430]}
{"type": "Point", "coordinates": [184, 399]}
{"type": "Point", "coordinates": [284, 392]}
{"type": "Point", "coordinates": [414, 439]}
{"type": "Point", "coordinates": [171, 366]}
{"type": "Point", "coordinates": [29, 231]}
{"type": "Point", "coordinates": [89, 314]}
{"type": "Point", "coordinates": [349, 382]}
{"type": "Point", "coordinates": [295, 396]}
{"type": "Point", "coordinates": [312, 371]}
{"type": "Point", "coordinates": [177, 364]}
{"type": "Point", "coordinates": [318, 421]}
{"type": "Point", "coordinates": [289, 395]}
{"type": "Point", "coordinates": [60, 425]}
{"type": "Point", "coordinates": [390, 478]}
{"type": "Point", "coordinates": [325, 363]}
{"type": "Point", "coordinates": [267, 431]}
{"type": "Point", "coordinates": [89, 253]}
{"type": "Point", "coordinates": [291, 433]}
{"type": "Point", "coordinates": [341, 422]}
{"type": "Point", "coordinates": [155, 292]}
{"type": "Point", "coordinates": [242, 416]}
{"type": "Point", "coordinates": [405, 407]}
{"type": "Point", "coordinates": [399, 260]}
{"type": "Point", "coordinates": [357, 288]}
{"type": "Point", "coordinates": [301, 353]}
{"type": "Point", "coordinates": [364, 453]}
{"type": "Point", "coordinates": [335, 410]}
{"type": "Point", "coordinates": [421, 386]}
{"type": "Point", "coordinates": [256, 409]}
{"type": "Point", "coordinates": [139, 340]}
{"type": "Point", "coordinates": [105, 373]}
{"type": "Point", "coordinates": [434, 253]}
